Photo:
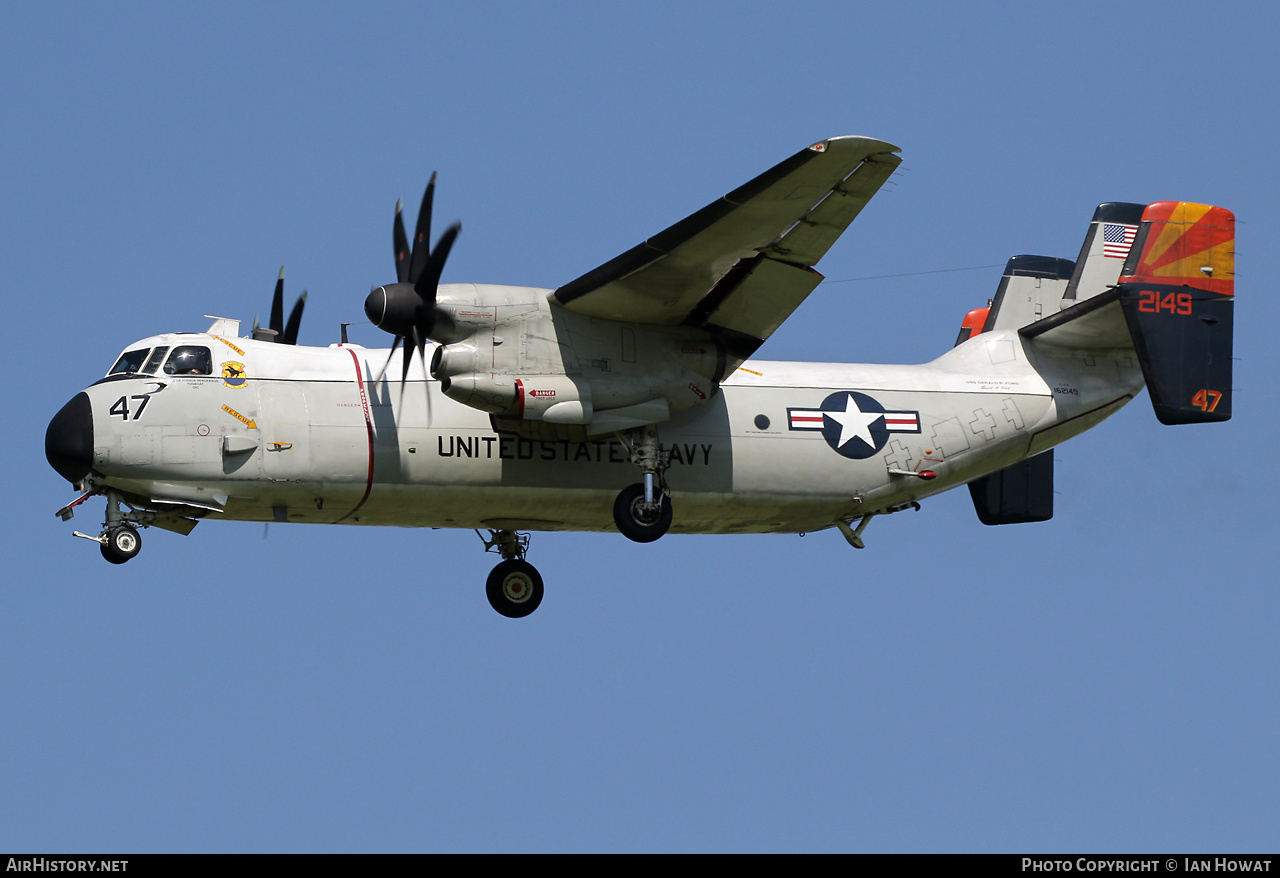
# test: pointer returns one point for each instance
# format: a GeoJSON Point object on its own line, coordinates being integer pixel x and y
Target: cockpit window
{"type": "Point", "coordinates": [189, 360]}
{"type": "Point", "coordinates": [157, 356]}
{"type": "Point", "coordinates": [130, 361]}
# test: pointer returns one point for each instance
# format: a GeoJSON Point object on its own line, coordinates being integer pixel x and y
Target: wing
{"type": "Point", "coordinates": [743, 263]}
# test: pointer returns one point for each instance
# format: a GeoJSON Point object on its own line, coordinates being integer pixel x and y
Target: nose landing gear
{"type": "Point", "coordinates": [119, 540]}
{"type": "Point", "coordinates": [514, 587]}
{"type": "Point", "coordinates": [120, 543]}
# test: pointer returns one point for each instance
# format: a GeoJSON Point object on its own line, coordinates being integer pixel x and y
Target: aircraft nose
{"type": "Point", "coordinates": [68, 443]}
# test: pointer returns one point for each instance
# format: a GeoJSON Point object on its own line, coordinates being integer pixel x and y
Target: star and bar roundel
{"type": "Point", "coordinates": [854, 424]}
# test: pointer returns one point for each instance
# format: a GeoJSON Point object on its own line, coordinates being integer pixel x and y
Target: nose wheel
{"type": "Point", "coordinates": [120, 543]}
{"type": "Point", "coordinates": [119, 540]}
{"type": "Point", "coordinates": [514, 587]}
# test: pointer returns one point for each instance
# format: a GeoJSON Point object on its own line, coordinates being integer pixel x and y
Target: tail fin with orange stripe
{"type": "Point", "coordinates": [1177, 290]}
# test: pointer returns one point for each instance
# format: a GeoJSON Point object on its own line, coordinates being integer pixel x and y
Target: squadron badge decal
{"type": "Point", "coordinates": [233, 374]}
{"type": "Point", "coordinates": [854, 424]}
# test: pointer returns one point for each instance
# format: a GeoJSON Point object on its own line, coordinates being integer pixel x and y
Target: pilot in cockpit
{"type": "Point", "coordinates": [190, 360]}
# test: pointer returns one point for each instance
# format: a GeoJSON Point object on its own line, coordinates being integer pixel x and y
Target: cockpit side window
{"type": "Point", "coordinates": [189, 360]}
{"type": "Point", "coordinates": [154, 362]}
{"type": "Point", "coordinates": [130, 361]}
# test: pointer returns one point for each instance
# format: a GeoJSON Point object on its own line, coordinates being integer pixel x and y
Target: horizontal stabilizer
{"type": "Point", "coordinates": [1017, 494]}
{"type": "Point", "coordinates": [1096, 324]}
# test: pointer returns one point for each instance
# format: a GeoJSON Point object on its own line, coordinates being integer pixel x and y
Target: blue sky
{"type": "Point", "coordinates": [1105, 681]}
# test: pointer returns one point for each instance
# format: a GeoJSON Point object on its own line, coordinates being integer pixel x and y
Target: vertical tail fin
{"type": "Point", "coordinates": [1030, 289]}
{"type": "Point", "coordinates": [1177, 291]}
{"type": "Point", "coordinates": [973, 324]}
{"type": "Point", "coordinates": [1016, 494]}
{"type": "Point", "coordinates": [1107, 244]}
{"type": "Point", "coordinates": [1171, 267]}
{"type": "Point", "coordinates": [1185, 244]}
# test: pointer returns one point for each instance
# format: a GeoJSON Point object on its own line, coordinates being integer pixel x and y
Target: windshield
{"type": "Point", "coordinates": [189, 360]}
{"type": "Point", "coordinates": [154, 363]}
{"type": "Point", "coordinates": [130, 361]}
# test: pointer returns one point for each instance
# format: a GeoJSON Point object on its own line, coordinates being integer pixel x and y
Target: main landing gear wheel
{"type": "Point", "coordinates": [514, 588]}
{"type": "Point", "coordinates": [640, 521]}
{"type": "Point", "coordinates": [122, 543]}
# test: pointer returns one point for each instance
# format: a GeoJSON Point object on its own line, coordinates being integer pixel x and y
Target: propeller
{"type": "Point", "coordinates": [407, 309]}
{"type": "Point", "coordinates": [284, 333]}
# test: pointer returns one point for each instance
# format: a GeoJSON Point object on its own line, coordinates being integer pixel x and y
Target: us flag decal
{"type": "Point", "coordinates": [1117, 238]}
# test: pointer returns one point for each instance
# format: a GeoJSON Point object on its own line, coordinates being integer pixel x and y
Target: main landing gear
{"type": "Point", "coordinates": [514, 586]}
{"type": "Point", "coordinates": [642, 515]}
{"type": "Point", "coordinates": [119, 540]}
{"type": "Point", "coordinates": [642, 511]}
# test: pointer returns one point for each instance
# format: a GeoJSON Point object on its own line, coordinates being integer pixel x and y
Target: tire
{"type": "Point", "coordinates": [123, 542]}
{"type": "Point", "coordinates": [514, 588]}
{"type": "Point", "coordinates": [632, 524]}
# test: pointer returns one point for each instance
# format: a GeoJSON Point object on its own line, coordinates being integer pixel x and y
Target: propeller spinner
{"type": "Point", "coordinates": [407, 309]}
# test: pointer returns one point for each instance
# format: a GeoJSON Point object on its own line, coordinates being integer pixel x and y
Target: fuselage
{"type": "Point", "coordinates": [321, 435]}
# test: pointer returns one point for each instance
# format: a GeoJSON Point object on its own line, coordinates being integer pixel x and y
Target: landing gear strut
{"type": "Point", "coordinates": [642, 512]}
{"type": "Point", "coordinates": [119, 540]}
{"type": "Point", "coordinates": [514, 586]}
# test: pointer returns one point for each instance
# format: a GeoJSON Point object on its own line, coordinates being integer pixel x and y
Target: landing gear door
{"type": "Point", "coordinates": [286, 431]}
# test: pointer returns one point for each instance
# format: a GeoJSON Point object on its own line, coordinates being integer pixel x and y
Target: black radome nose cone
{"type": "Point", "coordinates": [68, 443]}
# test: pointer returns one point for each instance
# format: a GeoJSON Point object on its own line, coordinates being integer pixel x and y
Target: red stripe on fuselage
{"type": "Point", "coordinates": [368, 426]}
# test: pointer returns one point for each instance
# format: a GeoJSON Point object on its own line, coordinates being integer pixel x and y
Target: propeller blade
{"type": "Point", "coordinates": [411, 343]}
{"type": "Point", "coordinates": [401, 242]}
{"type": "Point", "coordinates": [430, 277]}
{"type": "Point", "coordinates": [277, 306]}
{"type": "Point", "coordinates": [295, 319]}
{"type": "Point", "coordinates": [407, 309]}
{"type": "Point", "coordinates": [422, 234]}
{"type": "Point", "coordinates": [422, 350]}
{"type": "Point", "coordinates": [390, 354]}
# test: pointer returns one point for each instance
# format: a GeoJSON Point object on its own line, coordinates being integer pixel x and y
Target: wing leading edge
{"type": "Point", "coordinates": [742, 264]}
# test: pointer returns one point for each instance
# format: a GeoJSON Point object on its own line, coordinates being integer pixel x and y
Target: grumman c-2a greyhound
{"type": "Point", "coordinates": [626, 398]}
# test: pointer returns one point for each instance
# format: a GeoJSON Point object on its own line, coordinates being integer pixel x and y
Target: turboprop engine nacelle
{"type": "Point", "coordinates": [557, 399]}
{"type": "Point", "coordinates": [546, 364]}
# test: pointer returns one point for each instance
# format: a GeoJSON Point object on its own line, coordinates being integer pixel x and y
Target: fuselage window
{"type": "Point", "coordinates": [189, 360]}
{"type": "Point", "coordinates": [154, 362]}
{"type": "Point", "coordinates": [130, 361]}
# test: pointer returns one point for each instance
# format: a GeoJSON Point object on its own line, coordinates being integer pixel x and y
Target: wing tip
{"type": "Point", "coordinates": [868, 145]}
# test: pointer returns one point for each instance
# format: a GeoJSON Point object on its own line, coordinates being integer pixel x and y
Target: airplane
{"type": "Point", "coordinates": [627, 399]}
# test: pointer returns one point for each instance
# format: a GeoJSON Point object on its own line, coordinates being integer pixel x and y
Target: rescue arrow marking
{"type": "Point", "coordinates": [248, 422]}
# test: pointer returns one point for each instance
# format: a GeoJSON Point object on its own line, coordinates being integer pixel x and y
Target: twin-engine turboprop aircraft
{"type": "Point", "coordinates": [626, 398]}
